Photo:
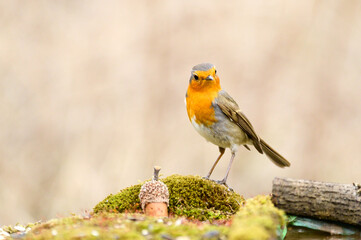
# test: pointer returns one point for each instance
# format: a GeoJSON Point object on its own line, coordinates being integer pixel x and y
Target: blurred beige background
{"type": "Point", "coordinates": [92, 95]}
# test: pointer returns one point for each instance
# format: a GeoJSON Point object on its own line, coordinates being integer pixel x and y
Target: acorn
{"type": "Point", "coordinates": [154, 196]}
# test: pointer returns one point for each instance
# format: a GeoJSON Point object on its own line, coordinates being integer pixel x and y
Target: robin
{"type": "Point", "coordinates": [217, 117]}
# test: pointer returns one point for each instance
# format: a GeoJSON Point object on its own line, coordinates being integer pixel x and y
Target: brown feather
{"type": "Point", "coordinates": [230, 108]}
{"type": "Point", "coordinates": [274, 156]}
{"type": "Point", "coordinates": [246, 146]}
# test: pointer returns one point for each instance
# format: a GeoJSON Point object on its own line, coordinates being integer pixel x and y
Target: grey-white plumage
{"type": "Point", "coordinates": [224, 133]}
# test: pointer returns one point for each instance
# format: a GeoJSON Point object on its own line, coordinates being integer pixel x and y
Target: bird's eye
{"type": "Point", "coordinates": [215, 71]}
{"type": "Point", "coordinates": [195, 77]}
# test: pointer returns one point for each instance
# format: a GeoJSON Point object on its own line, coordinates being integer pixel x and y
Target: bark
{"type": "Point", "coordinates": [321, 200]}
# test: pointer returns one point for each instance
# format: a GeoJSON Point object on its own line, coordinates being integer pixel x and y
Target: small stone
{"type": "Point", "coordinates": [81, 235]}
{"type": "Point", "coordinates": [118, 226]}
{"type": "Point", "coordinates": [3, 233]}
{"type": "Point", "coordinates": [178, 222]}
{"type": "Point", "coordinates": [150, 227]}
{"type": "Point", "coordinates": [133, 219]}
{"type": "Point", "coordinates": [20, 228]}
{"type": "Point", "coordinates": [166, 236]}
{"type": "Point", "coordinates": [95, 233]}
{"type": "Point", "coordinates": [54, 232]}
{"type": "Point", "coordinates": [214, 234]}
{"type": "Point", "coordinates": [145, 232]}
{"type": "Point", "coordinates": [18, 235]}
{"type": "Point", "coordinates": [183, 238]}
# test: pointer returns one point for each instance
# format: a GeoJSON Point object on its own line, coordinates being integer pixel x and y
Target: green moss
{"type": "Point", "coordinates": [258, 219]}
{"type": "Point", "coordinates": [120, 226]}
{"type": "Point", "coordinates": [126, 200]}
{"type": "Point", "coordinates": [190, 196]}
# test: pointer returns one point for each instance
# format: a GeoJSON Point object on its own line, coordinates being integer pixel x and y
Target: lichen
{"type": "Point", "coordinates": [258, 219]}
{"type": "Point", "coordinates": [189, 196]}
{"type": "Point", "coordinates": [121, 226]}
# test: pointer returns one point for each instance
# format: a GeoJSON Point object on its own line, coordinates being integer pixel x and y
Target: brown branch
{"type": "Point", "coordinates": [329, 201]}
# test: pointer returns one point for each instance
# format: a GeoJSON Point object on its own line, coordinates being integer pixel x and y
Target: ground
{"type": "Point", "coordinates": [199, 209]}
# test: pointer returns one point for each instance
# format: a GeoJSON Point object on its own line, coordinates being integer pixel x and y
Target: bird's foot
{"type": "Point", "coordinates": [206, 178]}
{"type": "Point", "coordinates": [223, 182]}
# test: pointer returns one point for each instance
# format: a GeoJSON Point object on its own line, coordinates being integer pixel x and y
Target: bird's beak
{"type": "Point", "coordinates": [209, 77]}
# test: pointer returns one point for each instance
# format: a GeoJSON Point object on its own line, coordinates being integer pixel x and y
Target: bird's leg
{"type": "Point", "coordinates": [221, 150]}
{"type": "Point", "coordinates": [224, 180]}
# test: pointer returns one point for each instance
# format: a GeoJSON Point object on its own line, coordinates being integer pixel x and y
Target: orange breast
{"type": "Point", "coordinates": [199, 106]}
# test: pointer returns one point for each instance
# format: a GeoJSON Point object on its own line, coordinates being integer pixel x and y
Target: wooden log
{"type": "Point", "coordinates": [321, 200]}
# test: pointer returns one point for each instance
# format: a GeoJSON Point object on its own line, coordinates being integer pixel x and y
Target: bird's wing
{"type": "Point", "coordinates": [230, 108]}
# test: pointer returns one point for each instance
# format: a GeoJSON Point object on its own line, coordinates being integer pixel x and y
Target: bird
{"type": "Point", "coordinates": [217, 117]}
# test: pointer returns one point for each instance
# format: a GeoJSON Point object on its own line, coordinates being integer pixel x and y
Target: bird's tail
{"type": "Point", "coordinates": [275, 157]}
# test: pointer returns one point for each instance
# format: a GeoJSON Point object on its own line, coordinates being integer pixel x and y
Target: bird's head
{"type": "Point", "coordinates": [204, 76]}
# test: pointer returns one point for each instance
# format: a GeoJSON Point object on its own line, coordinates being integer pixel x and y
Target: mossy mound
{"type": "Point", "coordinates": [189, 196]}
{"type": "Point", "coordinates": [258, 219]}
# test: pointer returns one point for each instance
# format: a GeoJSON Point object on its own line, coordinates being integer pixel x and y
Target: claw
{"type": "Point", "coordinates": [223, 182]}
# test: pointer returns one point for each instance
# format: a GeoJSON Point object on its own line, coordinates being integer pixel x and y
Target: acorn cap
{"type": "Point", "coordinates": [154, 191]}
